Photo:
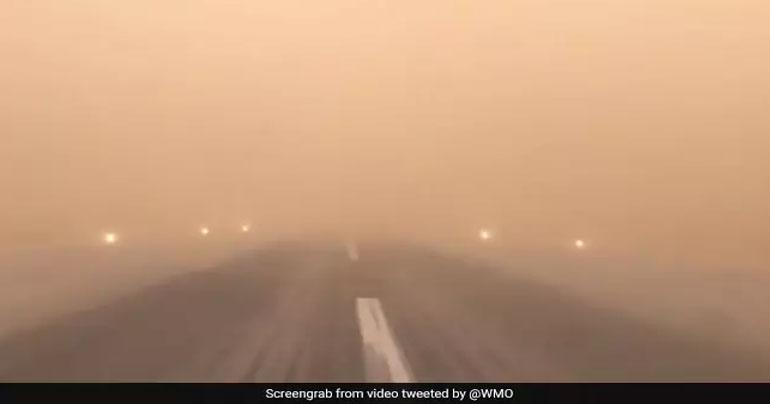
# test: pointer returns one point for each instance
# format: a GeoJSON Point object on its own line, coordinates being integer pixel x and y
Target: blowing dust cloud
{"type": "Point", "coordinates": [641, 125]}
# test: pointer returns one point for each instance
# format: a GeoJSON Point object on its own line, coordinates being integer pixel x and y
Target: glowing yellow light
{"type": "Point", "coordinates": [245, 228]}
{"type": "Point", "coordinates": [205, 231]}
{"type": "Point", "coordinates": [485, 234]}
{"type": "Point", "coordinates": [110, 238]}
{"type": "Point", "coordinates": [580, 244]}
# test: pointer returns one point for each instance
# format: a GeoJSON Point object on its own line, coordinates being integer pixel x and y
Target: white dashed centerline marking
{"type": "Point", "coordinates": [352, 250]}
{"type": "Point", "coordinates": [383, 359]}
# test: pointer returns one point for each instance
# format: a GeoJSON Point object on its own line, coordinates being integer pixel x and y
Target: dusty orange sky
{"type": "Point", "coordinates": [640, 124]}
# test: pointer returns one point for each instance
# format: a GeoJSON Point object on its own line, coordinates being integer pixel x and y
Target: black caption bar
{"type": "Point", "coordinates": [384, 393]}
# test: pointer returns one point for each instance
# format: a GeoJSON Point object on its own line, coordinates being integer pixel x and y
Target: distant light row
{"type": "Point", "coordinates": [486, 235]}
{"type": "Point", "coordinates": [111, 238]}
{"type": "Point", "coordinates": [204, 231]}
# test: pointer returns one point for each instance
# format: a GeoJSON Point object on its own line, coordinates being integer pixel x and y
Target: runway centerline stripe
{"type": "Point", "coordinates": [383, 359]}
{"type": "Point", "coordinates": [352, 250]}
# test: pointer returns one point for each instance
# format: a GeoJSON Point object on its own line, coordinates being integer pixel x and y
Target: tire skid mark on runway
{"type": "Point", "coordinates": [384, 360]}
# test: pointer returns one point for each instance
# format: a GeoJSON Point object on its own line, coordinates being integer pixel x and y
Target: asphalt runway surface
{"type": "Point", "coordinates": [356, 313]}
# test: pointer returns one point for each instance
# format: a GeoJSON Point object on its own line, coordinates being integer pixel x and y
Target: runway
{"type": "Point", "coordinates": [326, 312]}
